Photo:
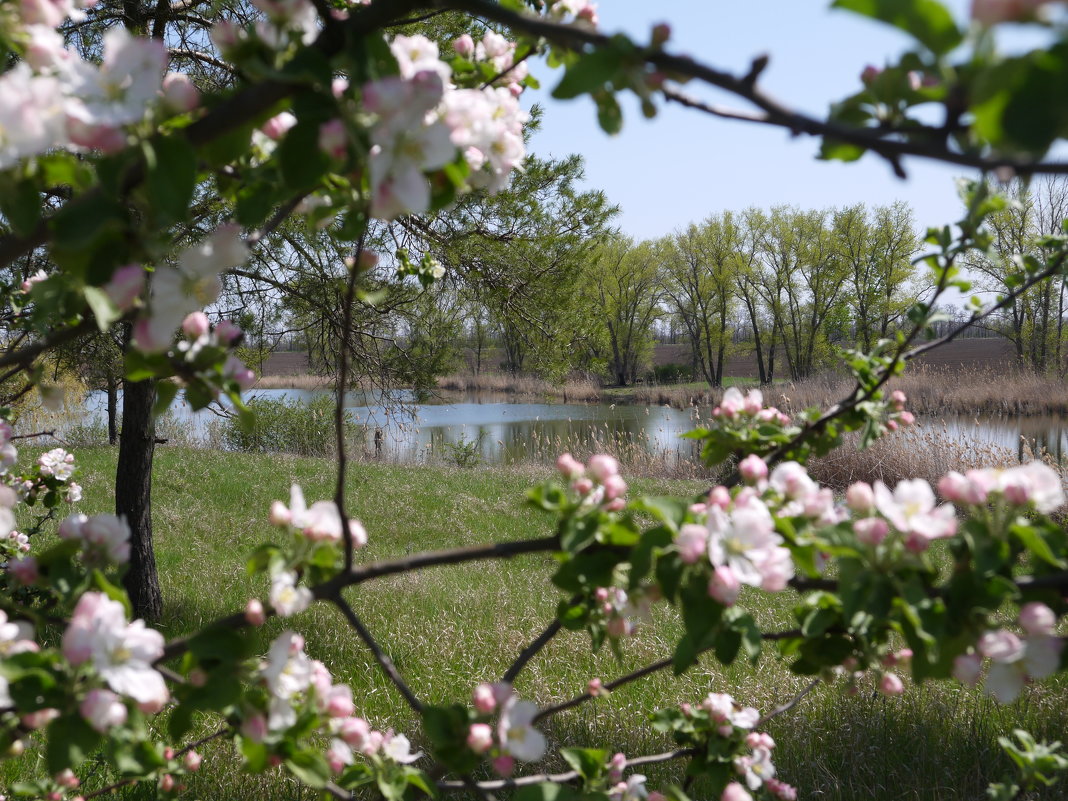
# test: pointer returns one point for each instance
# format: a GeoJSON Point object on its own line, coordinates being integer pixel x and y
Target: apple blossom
{"type": "Point", "coordinates": [179, 92]}
{"type": "Point", "coordinates": [692, 542]}
{"type": "Point", "coordinates": [397, 748]}
{"type": "Point", "coordinates": [1037, 619]}
{"type": "Point", "coordinates": [724, 585]}
{"type": "Point", "coordinates": [911, 510]}
{"type": "Point", "coordinates": [287, 597]}
{"type": "Point", "coordinates": [516, 733]}
{"type": "Point", "coordinates": [122, 653]}
{"type": "Point", "coordinates": [735, 792]}
{"type": "Point", "coordinates": [254, 612]}
{"type": "Point", "coordinates": [479, 738]}
{"type": "Point", "coordinates": [103, 710]}
{"type": "Point", "coordinates": [752, 468]}
{"type": "Point", "coordinates": [860, 497]}
{"type": "Point", "coordinates": [891, 684]}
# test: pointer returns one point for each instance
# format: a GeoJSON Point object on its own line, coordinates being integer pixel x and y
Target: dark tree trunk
{"type": "Point", "coordinates": [133, 495]}
{"type": "Point", "coordinates": [113, 410]}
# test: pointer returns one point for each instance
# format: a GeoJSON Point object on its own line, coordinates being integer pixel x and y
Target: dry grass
{"type": "Point", "coordinates": [938, 390]}
{"type": "Point", "coordinates": [302, 381]}
{"type": "Point", "coordinates": [572, 391]}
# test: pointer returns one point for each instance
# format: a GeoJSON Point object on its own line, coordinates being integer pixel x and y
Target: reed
{"type": "Point", "coordinates": [570, 391]}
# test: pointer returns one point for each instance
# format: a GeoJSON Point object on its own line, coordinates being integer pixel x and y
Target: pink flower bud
{"type": "Point", "coordinates": [615, 505]}
{"type": "Point", "coordinates": [890, 684]}
{"type": "Point", "coordinates": [333, 139]}
{"type": "Point", "coordinates": [275, 128]}
{"type": "Point", "coordinates": [735, 792]}
{"type": "Point", "coordinates": [618, 627]}
{"type": "Point", "coordinates": [166, 783]}
{"type": "Point", "coordinates": [66, 778]}
{"type": "Point", "coordinates": [906, 418]}
{"type": "Point", "coordinates": [724, 585]}
{"type": "Point", "coordinates": [464, 45]}
{"type": "Point", "coordinates": [595, 687]}
{"type": "Point", "coordinates": [24, 570]}
{"type": "Point", "coordinates": [583, 486]}
{"type": "Point", "coordinates": [692, 543]}
{"type": "Point", "coordinates": [1037, 619]}
{"type": "Point", "coordinates": [953, 487]}
{"type": "Point", "coordinates": [254, 613]}
{"type": "Point", "coordinates": [602, 466]}
{"type": "Point", "coordinates": [255, 728]}
{"type": "Point", "coordinates": [719, 496]}
{"type": "Point", "coordinates": [871, 530]}
{"type": "Point", "coordinates": [860, 497]}
{"type": "Point", "coordinates": [485, 700]}
{"type": "Point", "coordinates": [479, 738]}
{"type": "Point", "coordinates": [168, 753]}
{"type": "Point", "coordinates": [179, 93]}
{"type": "Point", "coordinates": [195, 325]}
{"type": "Point", "coordinates": [354, 731]}
{"type": "Point", "coordinates": [753, 468]}
{"type": "Point", "coordinates": [614, 487]}
{"type": "Point", "coordinates": [569, 466]}
{"type": "Point", "coordinates": [869, 74]}
{"type": "Point", "coordinates": [125, 286]}
{"type": "Point", "coordinates": [661, 34]}
{"type": "Point", "coordinates": [504, 765]}
{"type": "Point", "coordinates": [600, 594]}
{"type": "Point", "coordinates": [891, 425]}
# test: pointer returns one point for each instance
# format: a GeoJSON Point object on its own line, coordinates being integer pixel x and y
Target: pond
{"type": "Point", "coordinates": [501, 431]}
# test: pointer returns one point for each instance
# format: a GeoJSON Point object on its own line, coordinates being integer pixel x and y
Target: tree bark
{"type": "Point", "coordinates": [113, 410]}
{"type": "Point", "coordinates": [133, 495]}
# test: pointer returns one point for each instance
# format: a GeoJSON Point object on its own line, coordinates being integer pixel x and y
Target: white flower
{"type": "Point", "coordinates": [121, 653]}
{"type": "Point", "coordinates": [515, 732]}
{"type": "Point", "coordinates": [911, 509]}
{"type": "Point", "coordinates": [287, 673]}
{"type": "Point", "coordinates": [746, 542]}
{"type": "Point", "coordinates": [287, 597]}
{"type": "Point", "coordinates": [757, 769]}
{"type": "Point", "coordinates": [397, 748]}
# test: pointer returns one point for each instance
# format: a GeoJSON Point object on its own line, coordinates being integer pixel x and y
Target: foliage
{"type": "Point", "coordinates": [301, 427]}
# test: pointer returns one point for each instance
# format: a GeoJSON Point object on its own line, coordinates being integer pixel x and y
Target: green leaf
{"type": "Point", "coordinates": [1032, 540]}
{"type": "Point", "coordinates": [310, 767]}
{"type": "Point", "coordinates": [589, 763]}
{"type": "Point", "coordinates": [609, 114]}
{"type": "Point", "coordinates": [928, 21]}
{"type": "Point", "coordinates": [20, 202]}
{"type": "Point", "coordinates": [70, 741]}
{"type": "Point", "coordinates": [833, 150]}
{"type": "Point", "coordinates": [105, 311]}
{"type": "Point", "coordinates": [589, 74]}
{"type": "Point", "coordinates": [166, 391]}
{"type": "Point", "coordinates": [546, 791]}
{"type": "Point", "coordinates": [303, 162]}
{"type": "Point", "coordinates": [255, 754]}
{"type": "Point", "coordinates": [101, 582]}
{"type": "Point", "coordinates": [171, 178]}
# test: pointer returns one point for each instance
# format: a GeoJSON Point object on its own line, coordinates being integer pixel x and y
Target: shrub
{"type": "Point", "coordinates": [281, 426]}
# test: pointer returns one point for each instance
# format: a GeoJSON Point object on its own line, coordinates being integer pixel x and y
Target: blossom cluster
{"type": "Point", "coordinates": [748, 407]}
{"type": "Point", "coordinates": [121, 655]}
{"type": "Point", "coordinates": [719, 717]}
{"type": "Point", "coordinates": [192, 283]}
{"type": "Point", "coordinates": [621, 611]}
{"type": "Point", "coordinates": [513, 736]}
{"type": "Point", "coordinates": [53, 98]}
{"type": "Point", "coordinates": [597, 483]}
{"type": "Point", "coordinates": [295, 684]}
{"type": "Point", "coordinates": [49, 480]}
{"type": "Point", "coordinates": [422, 119]}
{"type": "Point", "coordinates": [1014, 660]}
{"type": "Point", "coordinates": [311, 527]}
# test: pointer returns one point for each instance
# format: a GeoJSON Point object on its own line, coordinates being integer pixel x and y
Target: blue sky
{"type": "Point", "coordinates": [684, 165]}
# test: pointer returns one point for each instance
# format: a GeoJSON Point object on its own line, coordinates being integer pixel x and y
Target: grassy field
{"type": "Point", "coordinates": [448, 628]}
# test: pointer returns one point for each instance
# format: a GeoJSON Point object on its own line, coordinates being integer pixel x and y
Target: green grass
{"type": "Point", "coordinates": [448, 628]}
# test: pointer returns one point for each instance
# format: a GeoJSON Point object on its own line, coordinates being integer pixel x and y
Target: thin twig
{"type": "Point", "coordinates": [339, 406]}
{"type": "Point", "coordinates": [380, 656]}
{"type": "Point", "coordinates": [789, 704]}
{"type": "Point", "coordinates": [531, 651]}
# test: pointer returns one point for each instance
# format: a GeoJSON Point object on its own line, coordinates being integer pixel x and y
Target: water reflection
{"type": "Point", "coordinates": [413, 429]}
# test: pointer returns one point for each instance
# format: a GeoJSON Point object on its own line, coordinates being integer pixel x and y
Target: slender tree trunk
{"type": "Point", "coordinates": [113, 410]}
{"type": "Point", "coordinates": [133, 495]}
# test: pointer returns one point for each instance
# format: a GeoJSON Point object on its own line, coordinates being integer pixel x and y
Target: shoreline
{"type": "Point", "coordinates": [931, 391]}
